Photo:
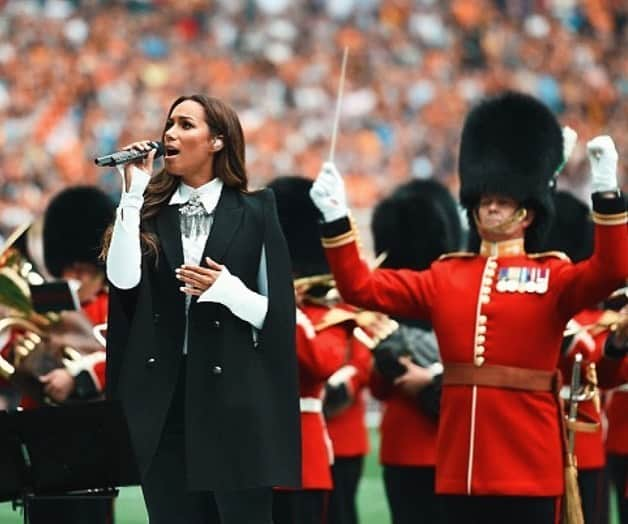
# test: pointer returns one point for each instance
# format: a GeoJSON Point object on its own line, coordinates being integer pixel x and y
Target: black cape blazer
{"type": "Point", "coordinates": [242, 425]}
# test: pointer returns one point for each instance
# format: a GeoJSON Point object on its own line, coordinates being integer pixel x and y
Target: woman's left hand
{"type": "Point", "coordinates": [198, 279]}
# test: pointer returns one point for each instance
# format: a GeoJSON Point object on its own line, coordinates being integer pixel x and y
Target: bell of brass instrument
{"type": "Point", "coordinates": [317, 289]}
{"type": "Point", "coordinates": [321, 289]}
{"type": "Point", "coordinates": [17, 272]}
{"type": "Point", "coordinates": [28, 353]}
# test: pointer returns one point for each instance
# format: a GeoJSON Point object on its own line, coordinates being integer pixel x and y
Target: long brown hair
{"type": "Point", "coordinates": [228, 165]}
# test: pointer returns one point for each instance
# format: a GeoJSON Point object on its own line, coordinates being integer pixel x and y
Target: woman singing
{"type": "Point", "coordinates": [202, 326]}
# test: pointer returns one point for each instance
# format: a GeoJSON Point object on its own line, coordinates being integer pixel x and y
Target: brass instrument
{"type": "Point", "coordinates": [30, 352]}
{"type": "Point", "coordinates": [315, 280]}
{"type": "Point", "coordinates": [321, 289]}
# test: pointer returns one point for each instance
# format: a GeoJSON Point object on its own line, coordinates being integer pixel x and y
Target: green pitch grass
{"type": "Point", "coordinates": [371, 499]}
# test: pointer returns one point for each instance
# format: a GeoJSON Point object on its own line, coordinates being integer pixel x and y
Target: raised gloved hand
{"type": "Point", "coordinates": [328, 193]}
{"type": "Point", "coordinates": [603, 159]}
{"type": "Point", "coordinates": [577, 339]}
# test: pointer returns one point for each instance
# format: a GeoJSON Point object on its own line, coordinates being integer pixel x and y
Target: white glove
{"type": "Point", "coordinates": [603, 159]}
{"type": "Point", "coordinates": [328, 193]}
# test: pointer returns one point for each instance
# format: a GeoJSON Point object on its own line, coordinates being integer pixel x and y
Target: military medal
{"type": "Point", "coordinates": [512, 284]}
{"type": "Point", "coordinates": [542, 280]}
{"type": "Point", "coordinates": [502, 279]}
{"type": "Point", "coordinates": [523, 278]}
{"type": "Point", "coordinates": [530, 284]}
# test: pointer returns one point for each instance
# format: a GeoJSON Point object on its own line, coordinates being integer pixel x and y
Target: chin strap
{"type": "Point", "coordinates": [516, 218]}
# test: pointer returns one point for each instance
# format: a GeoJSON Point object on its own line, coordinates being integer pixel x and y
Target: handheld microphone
{"type": "Point", "coordinates": [126, 156]}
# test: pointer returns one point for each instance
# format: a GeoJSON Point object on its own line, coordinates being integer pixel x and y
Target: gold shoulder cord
{"type": "Point", "coordinates": [615, 219]}
{"type": "Point", "coordinates": [344, 238]}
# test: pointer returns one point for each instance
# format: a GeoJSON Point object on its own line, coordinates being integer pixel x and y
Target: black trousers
{"type": "Point", "coordinates": [411, 496]}
{"type": "Point", "coordinates": [461, 509]}
{"type": "Point", "coordinates": [308, 506]}
{"type": "Point", "coordinates": [618, 471]}
{"type": "Point", "coordinates": [79, 511]}
{"type": "Point", "coordinates": [346, 473]}
{"type": "Point", "coordinates": [165, 490]}
{"type": "Point", "coordinates": [594, 494]}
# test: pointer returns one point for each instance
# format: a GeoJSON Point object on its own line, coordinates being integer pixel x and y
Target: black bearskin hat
{"type": "Point", "coordinates": [511, 145]}
{"type": "Point", "coordinates": [74, 224]}
{"type": "Point", "coordinates": [299, 220]}
{"type": "Point", "coordinates": [572, 228]}
{"type": "Point", "coordinates": [416, 224]}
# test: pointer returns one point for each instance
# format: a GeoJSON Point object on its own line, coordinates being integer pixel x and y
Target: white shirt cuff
{"type": "Point", "coordinates": [134, 197]}
{"type": "Point", "coordinates": [124, 259]}
{"type": "Point", "coordinates": [231, 292]}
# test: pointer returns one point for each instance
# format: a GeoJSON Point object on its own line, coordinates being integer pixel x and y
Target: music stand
{"type": "Point", "coordinates": [66, 452]}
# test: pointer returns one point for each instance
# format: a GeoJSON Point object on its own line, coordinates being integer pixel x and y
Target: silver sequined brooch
{"type": "Point", "coordinates": [194, 218]}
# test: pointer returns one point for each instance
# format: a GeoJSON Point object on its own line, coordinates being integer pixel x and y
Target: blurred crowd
{"type": "Point", "coordinates": [80, 78]}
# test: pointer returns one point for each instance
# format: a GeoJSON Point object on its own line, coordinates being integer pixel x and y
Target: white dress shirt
{"type": "Point", "coordinates": [124, 257]}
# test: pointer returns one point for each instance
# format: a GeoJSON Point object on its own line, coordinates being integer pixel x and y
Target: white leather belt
{"type": "Point", "coordinates": [311, 405]}
{"type": "Point", "coordinates": [623, 387]}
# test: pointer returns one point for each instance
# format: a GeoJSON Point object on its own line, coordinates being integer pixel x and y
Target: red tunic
{"type": "Point", "coordinates": [408, 435]}
{"type": "Point", "coordinates": [319, 356]}
{"type": "Point", "coordinates": [96, 311]}
{"type": "Point", "coordinates": [492, 441]}
{"type": "Point", "coordinates": [94, 363]}
{"type": "Point", "coordinates": [589, 448]}
{"type": "Point", "coordinates": [617, 415]}
{"type": "Point", "coordinates": [5, 353]}
{"type": "Point", "coordinates": [347, 429]}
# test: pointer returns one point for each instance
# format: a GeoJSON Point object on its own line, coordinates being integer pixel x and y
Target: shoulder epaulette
{"type": "Point", "coordinates": [457, 254]}
{"type": "Point", "coordinates": [550, 254]}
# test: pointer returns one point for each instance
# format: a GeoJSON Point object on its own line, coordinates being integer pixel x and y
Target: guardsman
{"type": "Point", "coordinates": [320, 353]}
{"type": "Point", "coordinates": [73, 227]}
{"type": "Point", "coordinates": [617, 408]}
{"type": "Point", "coordinates": [345, 412]}
{"type": "Point", "coordinates": [499, 312]}
{"type": "Point", "coordinates": [408, 361]}
{"type": "Point", "coordinates": [571, 233]}
{"type": "Point", "coordinates": [74, 224]}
